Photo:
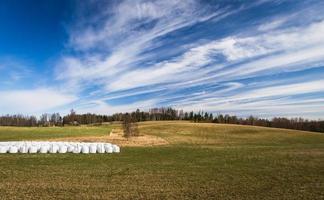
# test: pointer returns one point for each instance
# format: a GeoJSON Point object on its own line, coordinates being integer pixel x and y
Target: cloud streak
{"type": "Point", "coordinates": [200, 55]}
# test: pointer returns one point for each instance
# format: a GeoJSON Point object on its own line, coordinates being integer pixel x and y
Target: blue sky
{"type": "Point", "coordinates": [262, 58]}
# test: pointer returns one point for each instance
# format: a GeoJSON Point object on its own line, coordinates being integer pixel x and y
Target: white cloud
{"type": "Point", "coordinates": [288, 49]}
{"type": "Point", "coordinates": [281, 51]}
{"type": "Point", "coordinates": [164, 71]}
{"type": "Point", "coordinates": [127, 17]}
{"type": "Point", "coordinates": [32, 101]}
{"type": "Point", "coordinates": [122, 33]}
{"type": "Point", "coordinates": [101, 107]}
{"type": "Point", "coordinates": [127, 60]}
{"type": "Point", "coordinates": [294, 60]}
{"type": "Point", "coordinates": [272, 25]}
{"type": "Point", "coordinates": [284, 90]}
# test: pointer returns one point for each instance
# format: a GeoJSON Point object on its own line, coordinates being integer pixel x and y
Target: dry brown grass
{"type": "Point", "coordinates": [215, 135]}
{"type": "Point", "coordinates": [116, 137]}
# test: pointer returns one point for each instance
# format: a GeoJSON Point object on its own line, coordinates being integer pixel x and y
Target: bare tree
{"type": "Point", "coordinates": [129, 126]}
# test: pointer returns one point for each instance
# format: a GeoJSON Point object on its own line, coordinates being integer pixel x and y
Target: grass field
{"type": "Point", "coordinates": [200, 161]}
{"type": "Point", "coordinates": [45, 133]}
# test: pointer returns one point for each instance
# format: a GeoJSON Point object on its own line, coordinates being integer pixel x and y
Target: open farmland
{"type": "Point", "coordinates": [45, 133]}
{"type": "Point", "coordinates": [196, 161]}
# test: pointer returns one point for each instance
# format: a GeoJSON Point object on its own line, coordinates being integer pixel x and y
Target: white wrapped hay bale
{"type": "Point", "coordinates": [85, 149]}
{"type": "Point", "coordinates": [23, 148]}
{"type": "Point", "coordinates": [77, 149]}
{"type": "Point", "coordinates": [70, 148]}
{"type": "Point", "coordinates": [62, 149]}
{"type": "Point", "coordinates": [57, 147]}
{"type": "Point", "coordinates": [108, 148]}
{"type": "Point", "coordinates": [116, 148]}
{"type": "Point", "coordinates": [13, 149]}
{"type": "Point", "coordinates": [44, 149]}
{"type": "Point", "coordinates": [93, 148]}
{"type": "Point", "coordinates": [32, 149]}
{"type": "Point", "coordinates": [100, 148]}
{"type": "Point", "coordinates": [54, 148]}
{"type": "Point", "coordinates": [4, 149]}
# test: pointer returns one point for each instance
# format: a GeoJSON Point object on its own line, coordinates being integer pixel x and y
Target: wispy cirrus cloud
{"type": "Point", "coordinates": [13, 70]}
{"type": "Point", "coordinates": [131, 29]}
{"type": "Point", "coordinates": [194, 54]}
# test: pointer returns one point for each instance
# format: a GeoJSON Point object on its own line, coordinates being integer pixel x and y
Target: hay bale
{"type": "Point", "coordinates": [23, 148]}
{"type": "Point", "coordinates": [70, 148]}
{"type": "Point", "coordinates": [54, 148]}
{"type": "Point", "coordinates": [93, 148]}
{"type": "Point", "coordinates": [62, 149]}
{"type": "Point", "coordinates": [13, 149]}
{"type": "Point", "coordinates": [116, 148]}
{"type": "Point", "coordinates": [4, 149]}
{"type": "Point", "coordinates": [77, 149]}
{"type": "Point", "coordinates": [57, 147]}
{"type": "Point", "coordinates": [85, 149]}
{"type": "Point", "coordinates": [44, 149]}
{"type": "Point", "coordinates": [32, 149]}
{"type": "Point", "coordinates": [108, 149]}
{"type": "Point", "coordinates": [100, 148]}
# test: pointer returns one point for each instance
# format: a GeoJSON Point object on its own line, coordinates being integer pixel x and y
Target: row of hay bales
{"type": "Point", "coordinates": [57, 147]}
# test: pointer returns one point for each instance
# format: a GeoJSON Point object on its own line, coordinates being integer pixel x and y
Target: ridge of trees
{"type": "Point", "coordinates": [159, 114]}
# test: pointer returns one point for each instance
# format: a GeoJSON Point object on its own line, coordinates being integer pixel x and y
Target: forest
{"type": "Point", "coordinates": [159, 114]}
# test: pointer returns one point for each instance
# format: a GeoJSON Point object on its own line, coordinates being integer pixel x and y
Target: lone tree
{"type": "Point", "coordinates": [130, 126]}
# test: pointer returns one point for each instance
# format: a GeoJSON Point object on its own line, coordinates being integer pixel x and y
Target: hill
{"type": "Point", "coordinates": [195, 161]}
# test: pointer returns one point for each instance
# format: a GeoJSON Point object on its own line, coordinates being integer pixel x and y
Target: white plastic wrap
{"type": "Point", "coordinates": [93, 148]}
{"type": "Point", "coordinates": [70, 148]}
{"type": "Point", "coordinates": [108, 149]}
{"type": "Point", "coordinates": [32, 149]}
{"type": "Point", "coordinates": [100, 148]}
{"type": "Point", "coordinates": [4, 149]}
{"type": "Point", "coordinates": [85, 149]}
{"type": "Point", "coordinates": [62, 149]}
{"type": "Point", "coordinates": [13, 149]}
{"type": "Point", "coordinates": [77, 149]}
{"type": "Point", "coordinates": [116, 148]}
{"type": "Point", "coordinates": [44, 149]}
{"type": "Point", "coordinates": [22, 148]}
{"type": "Point", "coordinates": [57, 147]}
{"type": "Point", "coordinates": [54, 148]}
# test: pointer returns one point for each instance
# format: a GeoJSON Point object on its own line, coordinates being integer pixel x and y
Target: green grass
{"type": "Point", "coordinates": [43, 133]}
{"type": "Point", "coordinates": [202, 161]}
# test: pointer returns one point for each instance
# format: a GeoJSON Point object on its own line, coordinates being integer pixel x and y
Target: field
{"type": "Point", "coordinates": [196, 161]}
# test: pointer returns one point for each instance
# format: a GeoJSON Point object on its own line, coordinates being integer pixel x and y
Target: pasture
{"type": "Point", "coordinates": [196, 161]}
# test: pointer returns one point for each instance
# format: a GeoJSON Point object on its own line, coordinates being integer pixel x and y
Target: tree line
{"type": "Point", "coordinates": [159, 114]}
{"type": "Point", "coordinates": [276, 122]}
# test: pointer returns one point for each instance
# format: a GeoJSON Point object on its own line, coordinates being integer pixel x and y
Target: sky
{"type": "Point", "coordinates": [263, 58]}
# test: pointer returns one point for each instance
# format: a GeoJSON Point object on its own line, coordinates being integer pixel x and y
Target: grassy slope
{"type": "Point", "coordinates": [203, 161]}
{"type": "Point", "coordinates": [36, 133]}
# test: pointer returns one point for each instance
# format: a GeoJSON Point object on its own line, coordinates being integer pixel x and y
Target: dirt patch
{"type": "Point", "coordinates": [116, 137]}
